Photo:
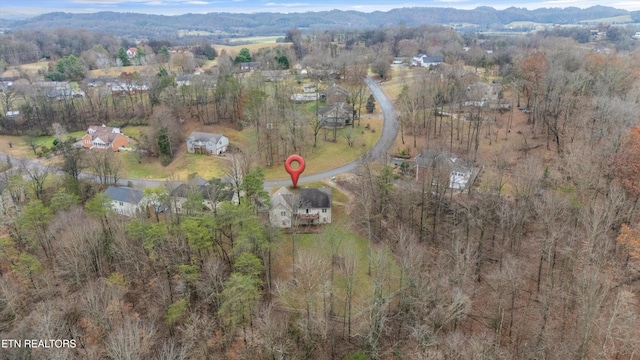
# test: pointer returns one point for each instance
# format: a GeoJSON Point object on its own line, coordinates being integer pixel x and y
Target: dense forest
{"type": "Point", "coordinates": [540, 258]}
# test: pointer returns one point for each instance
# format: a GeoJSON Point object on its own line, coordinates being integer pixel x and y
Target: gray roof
{"type": "Point", "coordinates": [124, 194]}
{"type": "Point", "coordinates": [208, 192]}
{"type": "Point", "coordinates": [315, 198]}
{"type": "Point", "coordinates": [305, 197]}
{"type": "Point", "coordinates": [335, 88]}
{"type": "Point", "coordinates": [340, 107]}
{"type": "Point", "coordinates": [432, 59]}
{"type": "Point", "coordinates": [203, 136]}
{"type": "Point", "coordinates": [431, 158]}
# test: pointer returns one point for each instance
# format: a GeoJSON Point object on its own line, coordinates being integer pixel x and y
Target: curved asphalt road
{"type": "Point", "coordinates": [387, 137]}
{"type": "Point", "coordinates": [379, 151]}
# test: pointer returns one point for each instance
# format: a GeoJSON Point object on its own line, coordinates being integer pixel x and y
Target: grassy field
{"type": "Point", "coordinates": [328, 155]}
{"type": "Point", "coordinates": [233, 50]}
{"type": "Point", "coordinates": [117, 70]}
{"type": "Point", "coordinates": [255, 40]}
{"type": "Point", "coordinates": [612, 20]}
{"type": "Point", "coordinates": [31, 69]}
{"type": "Point", "coordinates": [179, 170]}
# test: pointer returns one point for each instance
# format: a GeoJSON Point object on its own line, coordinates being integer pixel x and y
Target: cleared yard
{"type": "Point", "coordinates": [328, 155]}
{"type": "Point", "coordinates": [372, 262]}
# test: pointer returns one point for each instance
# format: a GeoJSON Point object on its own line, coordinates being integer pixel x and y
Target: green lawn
{"type": "Point", "coordinates": [611, 20]}
{"type": "Point", "coordinates": [48, 140]}
{"type": "Point", "coordinates": [133, 132]}
{"type": "Point", "coordinates": [328, 155]}
{"type": "Point", "coordinates": [180, 168]}
{"type": "Point", "coordinates": [255, 40]}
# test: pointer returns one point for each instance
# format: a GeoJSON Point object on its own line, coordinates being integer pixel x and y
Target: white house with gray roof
{"type": "Point", "coordinates": [300, 206]}
{"type": "Point", "coordinates": [125, 200]}
{"type": "Point", "coordinates": [207, 143]}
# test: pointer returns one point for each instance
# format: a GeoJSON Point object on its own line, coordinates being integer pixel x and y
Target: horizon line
{"type": "Point", "coordinates": [25, 16]}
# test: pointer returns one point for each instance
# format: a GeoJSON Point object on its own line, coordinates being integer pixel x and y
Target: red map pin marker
{"type": "Point", "coordinates": [295, 173]}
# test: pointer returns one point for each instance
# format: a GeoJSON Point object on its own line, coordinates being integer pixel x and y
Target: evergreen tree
{"type": "Point", "coordinates": [124, 58]}
{"type": "Point", "coordinates": [164, 145]}
{"type": "Point", "coordinates": [243, 57]}
{"type": "Point", "coordinates": [371, 105]}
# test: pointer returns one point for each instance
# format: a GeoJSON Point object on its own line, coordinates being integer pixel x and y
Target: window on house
{"type": "Point", "coordinates": [282, 213]}
{"type": "Point", "coordinates": [120, 203]}
{"type": "Point", "coordinates": [324, 211]}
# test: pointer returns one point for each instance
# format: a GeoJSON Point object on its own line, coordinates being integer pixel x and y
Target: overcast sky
{"type": "Point", "coordinates": [176, 7]}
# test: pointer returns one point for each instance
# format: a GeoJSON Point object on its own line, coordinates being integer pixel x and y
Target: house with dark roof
{"type": "Point", "coordinates": [54, 90]}
{"type": "Point", "coordinates": [438, 166]}
{"type": "Point", "coordinates": [337, 115]}
{"type": "Point", "coordinates": [335, 94]}
{"type": "Point", "coordinates": [211, 196]}
{"type": "Point", "coordinates": [207, 143]}
{"type": "Point", "coordinates": [303, 206]}
{"type": "Point", "coordinates": [120, 88]}
{"type": "Point", "coordinates": [426, 61]}
{"type": "Point", "coordinates": [125, 200]}
{"type": "Point", "coordinates": [105, 138]}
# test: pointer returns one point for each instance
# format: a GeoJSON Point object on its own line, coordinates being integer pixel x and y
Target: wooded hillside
{"type": "Point", "coordinates": [536, 257]}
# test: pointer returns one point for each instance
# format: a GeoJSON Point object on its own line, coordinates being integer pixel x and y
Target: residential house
{"type": "Point", "coordinates": [335, 94]}
{"type": "Point", "coordinates": [481, 94]}
{"type": "Point", "coordinates": [6, 84]}
{"type": "Point", "coordinates": [132, 52]}
{"type": "Point", "coordinates": [12, 114]}
{"type": "Point", "coordinates": [441, 166]}
{"type": "Point", "coordinates": [250, 66]}
{"type": "Point", "coordinates": [183, 80]}
{"type": "Point", "coordinates": [211, 196]}
{"type": "Point", "coordinates": [105, 138]}
{"type": "Point", "coordinates": [207, 143]}
{"type": "Point", "coordinates": [484, 91]}
{"type": "Point", "coordinates": [309, 88]}
{"type": "Point", "coordinates": [100, 81]}
{"type": "Point", "coordinates": [337, 115]}
{"type": "Point", "coordinates": [54, 90]}
{"type": "Point", "coordinates": [300, 207]}
{"type": "Point", "coordinates": [120, 88]}
{"type": "Point", "coordinates": [426, 61]}
{"type": "Point", "coordinates": [125, 200]}
{"type": "Point", "coordinates": [274, 75]}
{"type": "Point", "coordinates": [308, 97]}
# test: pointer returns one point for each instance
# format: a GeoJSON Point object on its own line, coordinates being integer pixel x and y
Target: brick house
{"type": "Point", "coordinates": [104, 137]}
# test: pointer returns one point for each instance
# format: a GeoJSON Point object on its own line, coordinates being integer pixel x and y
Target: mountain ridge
{"type": "Point", "coordinates": [227, 24]}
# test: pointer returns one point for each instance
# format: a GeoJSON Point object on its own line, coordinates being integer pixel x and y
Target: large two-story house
{"type": "Point", "coordinates": [207, 143]}
{"type": "Point", "coordinates": [105, 138]}
{"type": "Point", "coordinates": [300, 207]}
{"type": "Point", "coordinates": [125, 200]}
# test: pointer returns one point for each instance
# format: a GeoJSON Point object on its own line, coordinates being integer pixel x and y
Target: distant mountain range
{"type": "Point", "coordinates": [227, 25]}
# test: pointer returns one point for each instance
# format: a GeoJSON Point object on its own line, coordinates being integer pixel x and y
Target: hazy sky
{"type": "Point", "coordinates": [175, 7]}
